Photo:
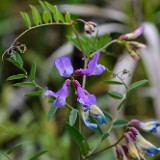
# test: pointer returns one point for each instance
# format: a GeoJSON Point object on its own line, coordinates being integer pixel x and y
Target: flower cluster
{"type": "Point", "coordinates": [88, 101]}
{"type": "Point", "coordinates": [137, 146]}
{"type": "Point", "coordinates": [132, 46]}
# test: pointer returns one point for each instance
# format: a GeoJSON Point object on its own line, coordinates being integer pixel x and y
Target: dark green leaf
{"type": "Point", "coordinates": [35, 93]}
{"type": "Point", "coordinates": [73, 117]}
{"type": "Point", "coordinates": [108, 116]}
{"type": "Point", "coordinates": [13, 62]}
{"type": "Point", "coordinates": [112, 82]}
{"type": "Point", "coordinates": [36, 16]}
{"type": "Point", "coordinates": [79, 139]}
{"type": "Point", "coordinates": [33, 72]}
{"type": "Point", "coordinates": [35, 157]}
{"type": "Point", "coordinates": [13, 149]}
{"type": "Point", "coordinates": [115, 95]}
{"type": "Point", "coordinates": [67, 17]}
{"type": "Point", "coordinates": [104, 136]}
{"type": "Point", "coordinates": [90, 44]}
{"type": "Point", "coordinates": [138, 84]}
{"type": "Point", "coordinates": [120, 123]}
{"type": "Point", "coordinates": [17, 58]}
{"type": "Point", "coordinates": [52, 110]}
{"type": "Point", "coordinates": [25, 84]}
{"type": "Point", "coordinates": [17, 76]}
{"type": "Point", "coordinates": [26, 19]}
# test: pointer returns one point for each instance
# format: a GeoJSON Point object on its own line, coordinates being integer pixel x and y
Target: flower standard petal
{"type": "Point", "coordinates": [93, 68]}
{"type": "Point", "coordinates": [64, 66]}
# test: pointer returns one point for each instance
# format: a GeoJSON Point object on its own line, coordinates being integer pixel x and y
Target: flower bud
{"type": "Point", "coordinates": [119, 153]}
{"type": "Point", "coordinates": [133, 35]}
{"type": "Point", "coordinates": [89, 27]}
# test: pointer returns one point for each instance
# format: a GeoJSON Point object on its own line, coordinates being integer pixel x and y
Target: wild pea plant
{"type": "Point", "coordinates": [131, 145]}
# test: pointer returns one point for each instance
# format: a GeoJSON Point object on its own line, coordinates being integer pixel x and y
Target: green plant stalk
{"type": "Point", "coordinates": [34, 27]}
{"type": "Point", "coordinates": [104, 149]}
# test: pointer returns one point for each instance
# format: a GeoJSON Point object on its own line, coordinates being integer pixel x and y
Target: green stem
{"type": "Point", "coordinates": [34, 27]}
{"type": "Point", "coordinates": [107, 45]}
{"type": "Point", "coordinates": [104, 149]}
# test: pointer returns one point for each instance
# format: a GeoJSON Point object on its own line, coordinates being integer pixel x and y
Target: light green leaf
{"type": "Point", "coordinates": [35, 157]}
{"type": "Point", "coordinates": [33, 72]}
{"type": "Point", "coordinates": [120, 123]}
{"type": "Point", "coordinates": [25, 84]}
{"type": "Point", "coordinates": [138, 84]}
{"type": "Point", "coordinates": [79, 139]}
{"type": "Point", "coordinates": [17, 76]}
{"type": "Point", "coordinates": [26, 19]}
{"type": "Point", "coordinates": [73, 117]}
{"type": "Point", "coordinates": [47, 17]}
{"type": "Point", "coordinates": [51, 111]}
{"type": "Point", "coordinates": [36, 15]}
{"type": "Point", "coordinates": [67, 17]}
{"type": "Point", "coordinates": [54, 10]}
{"type": "Point", "coordinates": [115, 95]}
{"type": "Point", "coordinates": [43, 5]}
{"type": "Point", "coordinates": [35, 93]}
{"type": "Point", "coordinates": [112, 82]}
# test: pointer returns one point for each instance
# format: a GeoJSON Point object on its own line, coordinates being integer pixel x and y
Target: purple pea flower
{"type": "Point", "coordinates": [87, 100]}
{"type": "Point", "coordinates": [60, 95]}
{"type": "Point", "coordinates": [119, 153]}
{"type": "Point", "coordinates": [93, 67]}
{"type": "Point", "coordinates": [64, 66]}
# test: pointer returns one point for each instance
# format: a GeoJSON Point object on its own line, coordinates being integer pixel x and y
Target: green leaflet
{"type": "Point", "coordinates": [26, 19]}
{"type": "Point", "coordinates": [36, 15]}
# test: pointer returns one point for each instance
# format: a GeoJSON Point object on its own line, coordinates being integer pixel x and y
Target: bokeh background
{"type": "Point", "coordinates": [24, 129]}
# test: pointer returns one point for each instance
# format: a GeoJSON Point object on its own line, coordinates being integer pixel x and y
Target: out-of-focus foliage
{"type": "Point", "coordinates": [24, 128]}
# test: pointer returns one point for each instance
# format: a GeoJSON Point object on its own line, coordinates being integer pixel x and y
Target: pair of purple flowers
{"type": "Point", "coordinates": [88, 101]}
{"type": "Point", "coordinates": [64, 66]}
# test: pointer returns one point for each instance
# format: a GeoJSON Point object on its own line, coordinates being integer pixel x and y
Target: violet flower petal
{"type": "Point", "coordinates": [85, 100]}
{"type": "Point", "coordinates": [64, 66]}
{"type": "Point", "coordinates": [60, 95]}
{"type": "Point", "coordinates": [93, 67]}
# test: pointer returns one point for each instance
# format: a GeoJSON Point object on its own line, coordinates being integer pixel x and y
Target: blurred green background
{"type": "Point", "coordinates": [23, 120]}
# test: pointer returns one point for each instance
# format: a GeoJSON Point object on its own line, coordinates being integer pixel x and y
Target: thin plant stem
{"type": "Point", "coordinates": [34, 27]}
{"type": "Point", "coordinates": [104, 149]}
{"type": "Point", "coordinates": [108, 44]}
{"type": "Point", "coordinates": [84, 56]}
